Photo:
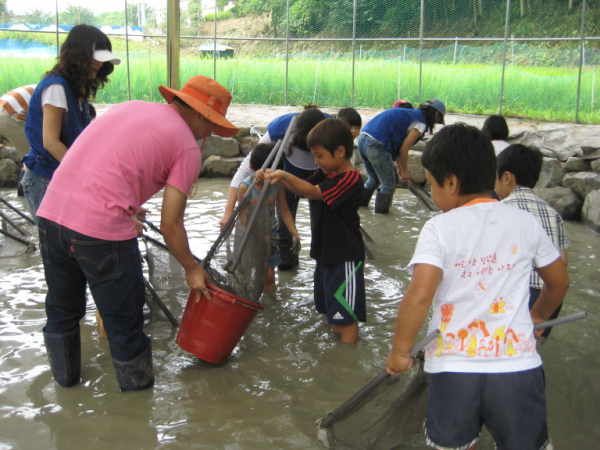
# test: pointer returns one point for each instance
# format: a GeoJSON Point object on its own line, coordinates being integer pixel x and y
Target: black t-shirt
{"type": "Point", "coordinates": [336, 235]}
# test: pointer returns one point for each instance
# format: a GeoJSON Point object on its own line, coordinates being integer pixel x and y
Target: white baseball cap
{"type": "Point", "coordinates": [106, 56]}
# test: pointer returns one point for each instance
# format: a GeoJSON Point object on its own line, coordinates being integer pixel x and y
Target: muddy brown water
{"type": "Point", "coordinates": [287, 371]}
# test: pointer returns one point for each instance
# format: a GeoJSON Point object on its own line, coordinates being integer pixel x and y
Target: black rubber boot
{"type": "Point", "coordinates": [137, 374]}
{"type": "Point", "coordinates": [64, 353]}
{"type": "Point", "coordinates": [383, 202]}
{"type": "Point", "coordinates": [367, 197]}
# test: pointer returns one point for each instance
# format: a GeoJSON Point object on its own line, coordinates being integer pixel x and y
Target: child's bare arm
{"type": "Point", "coordinates": [240, 193]}
{"type": "Point", "coordinates": [296, 185]}
{"type": "Point", "coordinates": [402, 160]}
{"type": "Point", "coordinates": [411, 315]}
{"type": "Point", "coordinates": [556, 284]}
{"type": "Point", "coordinates": [286, 214]}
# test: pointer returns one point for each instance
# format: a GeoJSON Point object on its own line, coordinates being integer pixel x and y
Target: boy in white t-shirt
{"type": "Point", "coordinates": [472, 266]}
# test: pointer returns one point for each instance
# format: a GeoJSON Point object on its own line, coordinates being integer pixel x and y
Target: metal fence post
{"type": "Point", "coordinates": [173, 33]}
{"type": "Point", "coordinates": [353, 81]}
{"type": "Point", "coordinates": [287, 50]}
{"type": "Point", "coordinates": [506, 27]}
{"type": "Point", "coordinates": [57, 41]}
{"type": "Point", "coordinates": [581, 56]}
{"type": "Point", "coordinates": [421, 26]}
{"type": "Point", "coordinates": [127, 55]}
{"type": "Point", "coordinates": [215, 44]}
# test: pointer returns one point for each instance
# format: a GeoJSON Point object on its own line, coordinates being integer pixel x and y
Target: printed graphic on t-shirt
{"type": "Point", "coordinates": [475, 340]}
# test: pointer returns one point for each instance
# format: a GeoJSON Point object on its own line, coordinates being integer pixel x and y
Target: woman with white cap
{"type": "Point", "coordinates": [89, 228]}
{"type": "Point", "coordinates": [386, 139]}
{"type": "Point", "coordinates": [58, 109]}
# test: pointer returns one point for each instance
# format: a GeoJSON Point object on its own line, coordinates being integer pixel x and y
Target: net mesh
{"type": "Point", "coordinates": [247, 278]}
{"type": "Point", "coordinates": [384, 418]}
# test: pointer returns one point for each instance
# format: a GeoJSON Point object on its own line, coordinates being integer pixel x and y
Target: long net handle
{"type": "Point", "coordinates": [235, 262]}
{"type": "Point", "coordinates": [352, 401]}
{"type": "Point", "coordinates": [423, 196]}
{"type": "Point", "coordinates": [236, 212]}
{"type": "Point", "coordinates": [19, 212]}
{"type": "Point", "coordinates": [561, 320]}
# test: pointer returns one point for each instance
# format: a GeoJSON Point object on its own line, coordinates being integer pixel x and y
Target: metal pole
{"type": "Point", "coordinates": [421, 32]}
{"type": "Point", "coordinates": [287, 50]}
{"type": "Point", "coordinates": [127, 56]}
{"type": "Point", "coordinates": [215, 44]}
{"type": "Point", "coordinates": [455, 48]}
{"type": "Point", "coordinates": [581, 56]}
{"type": "Point", "coordinates": [173, 32]}
{"type": "Point", "coordinates": [57, 40]}
{"type": "Point", "coordinates": [506, 27]}
{"type": "Point", "coordinates": [150, 70]}
{"type": "Point", "coordinates": [353, 53]}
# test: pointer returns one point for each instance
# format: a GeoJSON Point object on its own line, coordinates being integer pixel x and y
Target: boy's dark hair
{"type": "Point", "coordinates": [525, 163]}
{"type": "Point", "coordinates": [259, 155]}
{"type": "Point", "coordinates": [496, 127]}
{"type": "Point", "coordinates": [464, 151]}
{"type": "Point", "coordinates": [350, 116]}
{"type": "Point", "coordinates": [306, 121]}
{"type": "Point", "coordinates": [330, 134]}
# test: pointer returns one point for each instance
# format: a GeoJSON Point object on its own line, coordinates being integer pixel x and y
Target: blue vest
{"type": "Point", "coordinates": [39, 160]}
{"type": "Point", "coordinates": [279, 126]}
{"type": "Point", "coordinates": [391, 127]}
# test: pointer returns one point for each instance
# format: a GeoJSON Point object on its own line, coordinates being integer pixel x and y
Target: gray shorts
{"type": "Point", "coordinates": [512, 406]}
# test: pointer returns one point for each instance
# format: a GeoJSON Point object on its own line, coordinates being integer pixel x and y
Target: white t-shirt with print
{"type": "Point", "coordinates": [486, 251]}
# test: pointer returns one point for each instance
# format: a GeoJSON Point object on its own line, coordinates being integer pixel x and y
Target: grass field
{"type": "Point", "coordinates": [530, 92]}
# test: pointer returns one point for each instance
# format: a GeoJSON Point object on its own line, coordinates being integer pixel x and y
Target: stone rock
{"type": "Point", "coordinates": [217, 166]}
{"type": "Point", "coordinates": [219, 146]}
{"type": "Point", "coordinates": [244, 131]}
{"type": "Point", "coordinates": [9, 173]}
{"type": "Point", "coordinates": [417, 172]}
{"type": "Point", "coordinates": [575, 164]}
{"type": "Point", "coordinates": [552, 173]}
{"type": "Point", "coordinates": [565, 201]}
{"type": "Point", "coordinates": [559, 141]}
{"type": "Point", "coordinates": [596, 165]}
{"type": "Point", "coordinates": [590, 213]}
{"type": "Point", "coordinates": [582, 182]}
{"type": "Point", "coordinates": [247, 144]}
{"type": "Point", "coordinates": [8, 152]}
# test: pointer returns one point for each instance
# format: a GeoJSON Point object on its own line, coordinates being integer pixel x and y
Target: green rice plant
{"type": "Point", "coordinates": [541, 93]}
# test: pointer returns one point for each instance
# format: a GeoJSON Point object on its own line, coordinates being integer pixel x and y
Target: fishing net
{"type": "Point", "coordinates": [242, 268]}
{"type": "Point", "coordinates": [383, 417]}
{"type": "Point", "coordinates": [163, 268]}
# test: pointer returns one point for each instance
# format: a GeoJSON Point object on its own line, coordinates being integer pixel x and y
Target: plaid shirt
{"type": "Point", "coordinates": [524, 198]}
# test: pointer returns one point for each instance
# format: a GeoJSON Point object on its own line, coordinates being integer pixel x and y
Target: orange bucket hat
{"type": "Point", "coordinates": [209, 98]}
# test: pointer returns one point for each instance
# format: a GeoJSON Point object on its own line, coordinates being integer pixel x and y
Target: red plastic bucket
{"type": "Point", "coordinates": [210, 329]}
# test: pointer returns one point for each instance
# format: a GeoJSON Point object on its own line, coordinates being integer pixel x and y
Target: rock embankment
{"type": "Point", "coordinates": [570, 178]}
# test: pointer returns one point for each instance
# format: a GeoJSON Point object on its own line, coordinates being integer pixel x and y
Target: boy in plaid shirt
{"type": "Point", "coordinates": [518, 170]}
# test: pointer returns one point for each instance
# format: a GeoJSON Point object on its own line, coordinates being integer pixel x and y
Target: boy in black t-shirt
{"type": "Point", "coordinates": [335, 192]}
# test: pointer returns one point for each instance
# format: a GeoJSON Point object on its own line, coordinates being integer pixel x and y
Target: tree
{"type": "Point", "coordinates": [75, 15]}
{"type": "Point", "coordinates": [38, 17]}
{"type": "Point", "coordinates": [194, 14]}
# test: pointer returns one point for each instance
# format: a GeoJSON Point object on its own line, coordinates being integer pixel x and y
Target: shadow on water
{"type": "Point", "coordinates": [288, 370]}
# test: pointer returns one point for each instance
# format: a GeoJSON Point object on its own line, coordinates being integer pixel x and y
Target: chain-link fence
{"type": "Point", "coordinates": [529, 58]}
